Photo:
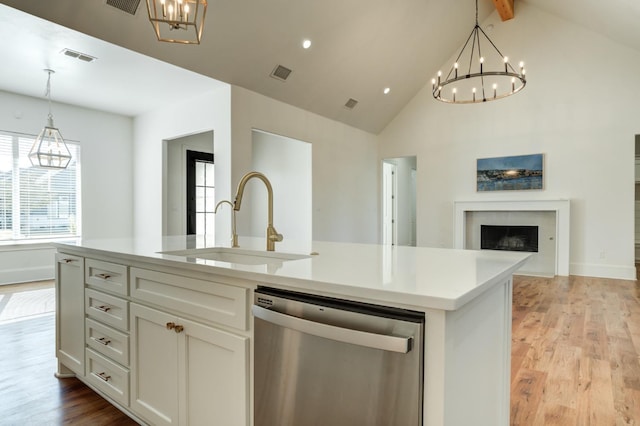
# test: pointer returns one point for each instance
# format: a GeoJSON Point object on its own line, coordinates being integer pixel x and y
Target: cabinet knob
{"type": "Point", "coordinates": [178, 329]}
{"type": "Point", "coordinates": [171, 325]}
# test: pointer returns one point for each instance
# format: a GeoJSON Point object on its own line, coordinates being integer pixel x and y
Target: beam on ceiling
{"type": "Point", "coordinates": [504, 8]}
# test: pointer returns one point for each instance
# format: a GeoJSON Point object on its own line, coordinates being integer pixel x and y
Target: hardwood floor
{"type": "Point", "coordinates": [30, 395]}
{"type": "Point", "coordinates": [575, 361]}
{"type": "Point", "coordinates": [575, 352]}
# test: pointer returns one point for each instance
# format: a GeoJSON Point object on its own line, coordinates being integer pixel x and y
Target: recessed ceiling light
{"type": "Point", "coordinates": [386, 90]}
{"type": "Point", "coordinates": [306, 43]}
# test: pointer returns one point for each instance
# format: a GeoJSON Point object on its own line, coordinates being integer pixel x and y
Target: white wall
{"type": "Point", "coordinates": [344, 164]}
{"type": "Point", "coordinates": [209, 111]}
{"type": "Point", "coordinates": [287, 164]}
{"type": "Point", "coordinates": [107, 204]}
{"type": "Point", "coordinates": [579, 108]}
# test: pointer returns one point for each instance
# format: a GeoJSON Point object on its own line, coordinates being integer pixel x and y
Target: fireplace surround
{"type": "Point", "coordinates": [559, 209]}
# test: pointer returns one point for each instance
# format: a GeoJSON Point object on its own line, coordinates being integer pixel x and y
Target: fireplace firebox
{"type": "Point", "coordinates": [510, 238]}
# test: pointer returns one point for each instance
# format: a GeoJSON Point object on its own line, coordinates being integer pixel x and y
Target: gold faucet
{"type": "Point", "coordinates": [234, 235]}
{"type": "Point", "coordinates": [272, 234]}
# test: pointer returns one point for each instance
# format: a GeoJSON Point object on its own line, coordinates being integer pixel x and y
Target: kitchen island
{"type": "Point", "coordinates": [130, 308]}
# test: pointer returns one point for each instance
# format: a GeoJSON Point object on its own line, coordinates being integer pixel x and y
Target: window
{"type": "Point", "coordinates": [36, 202]}
{"type": "Point", "coordinates": [200, 193]}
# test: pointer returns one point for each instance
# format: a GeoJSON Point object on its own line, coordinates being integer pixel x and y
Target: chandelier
{"type": "Point", "coordinates": [48, 149]}
{"type": "Point", "coordinates": [480, 73]}
{"type": "Point", "coordinates": [177, 21]}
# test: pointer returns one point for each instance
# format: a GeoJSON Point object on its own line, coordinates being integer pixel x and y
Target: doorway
{"type": "Point", "coordinates": [287, 164]}
{"type": "Point", "coordinates": [637, 205]}
{"type": "Point", "coordinates": [399, 201]}
{"type": "Point", "coordinates": [174, 188]}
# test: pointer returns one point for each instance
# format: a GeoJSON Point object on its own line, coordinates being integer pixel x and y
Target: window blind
{"type": "Point", "coordinates": [36, 202]}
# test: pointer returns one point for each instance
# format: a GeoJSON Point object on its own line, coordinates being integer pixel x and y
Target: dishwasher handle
{"type": "Point", "coordinates": [340, 334]}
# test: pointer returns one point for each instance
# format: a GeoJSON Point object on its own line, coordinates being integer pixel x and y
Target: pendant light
{"type": "Point", "coordinates": [49, 149]}
{"type": "Point", "coordinates": [177, 21]}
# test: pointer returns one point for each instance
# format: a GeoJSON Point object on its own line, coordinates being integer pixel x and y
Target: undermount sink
{"type": "Point", "coordinates": [234, 255]}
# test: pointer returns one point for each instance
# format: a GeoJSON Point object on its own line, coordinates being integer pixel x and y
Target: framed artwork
{"type": "Point", "coordinates": [520, 172]}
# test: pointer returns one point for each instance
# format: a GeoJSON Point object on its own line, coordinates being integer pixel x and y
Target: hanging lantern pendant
{"type": "Point", "coordinates": [49, 149]}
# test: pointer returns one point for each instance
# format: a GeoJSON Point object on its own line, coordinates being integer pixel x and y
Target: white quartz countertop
{"type": "Point", "coordinates": [420, 277]}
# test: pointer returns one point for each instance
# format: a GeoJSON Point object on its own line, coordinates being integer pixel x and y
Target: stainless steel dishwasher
{"type": "Point", "coordinates": [324, 361]}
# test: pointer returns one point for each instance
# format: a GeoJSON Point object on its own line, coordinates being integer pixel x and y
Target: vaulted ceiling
{"type": "Point", "coordinates": [359, 47]}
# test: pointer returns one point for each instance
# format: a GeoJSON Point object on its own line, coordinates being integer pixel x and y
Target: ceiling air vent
{"type": "Point", "coordinates": [281, 73]}
{"type": "Point", "coordinates": [129, 6]}
{"type": "Point", "coordinates": [351, 103]}
{"type": "Point", "coordinates": [77, 55]}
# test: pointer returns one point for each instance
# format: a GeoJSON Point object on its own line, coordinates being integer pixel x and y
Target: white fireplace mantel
{"type": "Point", "coordinates": [560, 207]}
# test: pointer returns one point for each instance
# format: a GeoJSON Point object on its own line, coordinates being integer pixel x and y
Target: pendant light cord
{"type": "Point", "coordinates": [47, 93]}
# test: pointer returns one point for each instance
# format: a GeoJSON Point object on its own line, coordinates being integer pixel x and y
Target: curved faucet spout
{"type": "Point", "coordinates": [272, 234]}
{"type": "Point", "coordinates": [234, 235]}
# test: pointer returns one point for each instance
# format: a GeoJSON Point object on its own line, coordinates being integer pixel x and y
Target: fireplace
{"type": "Point", "coordinates": [551, 217]}
{"type": "Point", "coordinates": [510, 238]}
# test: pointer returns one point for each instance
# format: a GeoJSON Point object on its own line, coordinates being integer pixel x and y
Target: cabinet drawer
{"type": "Point", "coordinates": [109, 342]}
{"type": "Point", "coordinates": [211, 301]}
{"type": "Point", "coordinates": [106, 276]}
{"type": "Point", "coordinates": [108, 309]}
{"type": "Point", "coordinates": [108, 377]}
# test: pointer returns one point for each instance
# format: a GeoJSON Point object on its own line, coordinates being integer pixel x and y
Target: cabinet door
{"type": "Point", "coordinates": [70, 314]}
{"type": "Point", "coordinates": [154, 361]}
{"type": "Point", "coordinates": [213, 376]}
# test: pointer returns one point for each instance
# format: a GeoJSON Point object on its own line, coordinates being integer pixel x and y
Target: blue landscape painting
{"type": "Point", "coordinates": [520, 172]}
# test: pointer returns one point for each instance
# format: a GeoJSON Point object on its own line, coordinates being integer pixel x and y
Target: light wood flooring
{"type": "Point", "coordinates": [575, 361]}
{"type": "Point", "coordinates": [575, 352]}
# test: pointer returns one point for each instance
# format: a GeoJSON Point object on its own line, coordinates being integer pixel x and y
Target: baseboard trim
{"type": "Point", "coordinates": [603, 271]}
{"type": "Point", "coordinates": [26, 275]}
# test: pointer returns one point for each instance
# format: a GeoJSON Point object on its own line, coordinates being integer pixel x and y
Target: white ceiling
{"type": "Point", "coordinates": [359, 48]}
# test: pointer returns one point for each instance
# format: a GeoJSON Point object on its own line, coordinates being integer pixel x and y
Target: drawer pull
{"type": "Point", "coordinates": [67, 260]}
{"type": "Point", "coordinates": [178, 329]}
{"type": "Point", "coordinates": [103, 376]}
{"type": "Point", "coordinates": [103, 341]}
{"type": "Point", "coordinates": [103, 276]}
{"type": "Point", "coordinates": [103, 308]}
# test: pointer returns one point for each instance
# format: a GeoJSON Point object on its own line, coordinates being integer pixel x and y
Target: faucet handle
{"type": "Point", "coordinates": [276, 237]}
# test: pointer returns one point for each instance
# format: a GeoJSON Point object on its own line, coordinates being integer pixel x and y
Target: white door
{"type": "Point", "coordinates": [214, 376]}
{"type": "Point", "coordinates": [154, 366]}
{"type": "Point", "coordinates": [389, 203]}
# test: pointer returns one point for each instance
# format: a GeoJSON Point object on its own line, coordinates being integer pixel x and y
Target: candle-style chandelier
{"type": "Point", "coordinates": [177, 21]}
{"type": "Point", "coordinates": [480, 73]}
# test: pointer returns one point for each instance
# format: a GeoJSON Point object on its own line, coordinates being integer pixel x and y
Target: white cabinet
{"type": "Point", "coordinates": [107, 329]}
{"type": "Point", "coordinates": [167, 349]}
{"type": "Point", "coordinates": [187, 373]}
{"type": "Point", "coordinates": [70, 314]}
